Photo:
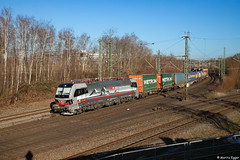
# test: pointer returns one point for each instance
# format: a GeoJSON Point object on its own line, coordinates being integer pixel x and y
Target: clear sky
{"type": "Point", "coordinates": [213, 24]}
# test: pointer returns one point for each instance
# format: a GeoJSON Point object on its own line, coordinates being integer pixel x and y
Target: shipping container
{"type": "Point", "coordinates": [166, 81]}
{"type": "Point", "coordinates": [204, 74]}
{"type": "Point", "coordinates": [159, 81]}
{"type": "Point", "coordinates": [198, 75]}
{"type": "Point", "coordinates": [191, 76]}
{"type": "Point", "coordinates": [146, 82]}
{"type": "Point", "coordinates": [179, 79]}
{"type": "Point", "coordinates": [205, 70]}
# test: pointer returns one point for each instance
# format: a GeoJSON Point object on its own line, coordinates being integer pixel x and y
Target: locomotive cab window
{"type": "Point", "coordinates": [79, 92]}
{"type": "Point", "coordinates": [134, 84]}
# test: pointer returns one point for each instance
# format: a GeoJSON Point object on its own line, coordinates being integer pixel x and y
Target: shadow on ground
{"type": "Point", "coordinates": [218, 120]}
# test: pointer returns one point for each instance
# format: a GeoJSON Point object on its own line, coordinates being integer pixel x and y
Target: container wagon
{"type": "Point", "coordinates": [147, 84]}
{"type": "Point", "coordinates": [206, 71]}
{"type": "Point", "coordinates": [167, 81]}
{"type": "Point", "coordinates": [191, 77]}
{"type": "Point", "coordinates": [179, 79]}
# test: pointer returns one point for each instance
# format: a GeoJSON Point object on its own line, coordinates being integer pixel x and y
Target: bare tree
{"type": "Point", "coordinates": [83, 47]}
{"type": "Point", "coordinates": [6, 19]}
{"type": "Point", "coordinates": [33, 46]}
{"type": "Point", "coordinates": [43, 39]}
{"type": "Point", "coordinates": [50, 47]}
{"type": "Point", "coordinates": [67, 43]}
{"type": "Point", "coordinates": [21, 40]}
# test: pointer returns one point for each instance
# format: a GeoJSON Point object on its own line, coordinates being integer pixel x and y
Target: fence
{"type": "Point", "coordinates": [215, 148]}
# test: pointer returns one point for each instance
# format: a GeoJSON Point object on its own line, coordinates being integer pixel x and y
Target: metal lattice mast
{"type": "Point", "coordinates": [224, 63]}
{"type": "Point", "coordinates": [156, 64]}
{"type": "Point", "coordinates": [100, 61]}
{"type": "Point", "coordinates": [222, 68]}
{"type": "Point", "coordinates": [214, 65]}
{"type": "Point", "coordinates": [110, 61]}
{"type": "Point", "coordinates": [219, 67]}
{"type": "Point", "coordinates": [159, 62]}
{"type": "Point", "coordinates": [190, 64]}
{"type": "Point", "coordinates": [186, 67]}
{"type": "Point", "coordinates": [119, 62]}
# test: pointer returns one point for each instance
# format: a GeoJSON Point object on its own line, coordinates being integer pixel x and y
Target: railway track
{"type": "Point", "coordinates": [21, 115]}
{"type": "Point", "coordinates": [37, 114]}
{"type": "Point", "coordinates": [40, 141]}
{"type": "Point", "coordinates": [135, 106]}
{"type": "Point", "coordinates": [24, 117]}
{"type": "Point", "coordinates": [133, 142]}
{"type": "Point", "coordinates": [14, 119]}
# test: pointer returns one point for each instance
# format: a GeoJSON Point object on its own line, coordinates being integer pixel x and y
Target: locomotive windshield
{"type": "Point", "coordinates": [63, 91]}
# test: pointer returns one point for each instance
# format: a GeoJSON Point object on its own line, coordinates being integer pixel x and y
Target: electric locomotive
{"type": "Point", "coordinates": [82, 95]}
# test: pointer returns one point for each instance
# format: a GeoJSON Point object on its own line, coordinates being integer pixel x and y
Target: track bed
{"type": "Point", "coordinates": [129, 125]}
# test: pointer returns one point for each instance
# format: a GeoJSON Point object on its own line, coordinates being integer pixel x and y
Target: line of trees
{"type": "Point", "coordinates": [32, 51]}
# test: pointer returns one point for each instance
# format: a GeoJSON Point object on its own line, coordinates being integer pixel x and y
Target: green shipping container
{"type": "Point", "coordinates": [166, 80]}
{"type": "Point", "coordinates": [149, 82]}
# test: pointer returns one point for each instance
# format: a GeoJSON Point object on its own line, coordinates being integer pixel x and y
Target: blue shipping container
{"type": "Point", "coordinates": [179, 79]}
{"type": "Point", "coordinates": [192, 76]}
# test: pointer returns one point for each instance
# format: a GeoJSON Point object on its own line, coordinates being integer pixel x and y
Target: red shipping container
{"type": "Point", "coordinates": [159, 81]}
{"type": "Point", "coordinates": [139, 80]}
{"type": "Point", "coordinates": [205, 70]}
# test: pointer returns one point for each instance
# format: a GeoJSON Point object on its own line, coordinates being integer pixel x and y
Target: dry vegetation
{"type": "Point", "coordinates": [33, 55]}
{"type": "Point", "coordinates": [232, 79]}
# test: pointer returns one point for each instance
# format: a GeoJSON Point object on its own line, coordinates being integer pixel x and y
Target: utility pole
{"type": "Point", "coordinates": [224, 63]}
{"type": "Point", "coordinates": [219, 67]}
{"type": "Point", "coordinates": [214, 65]}
{"type": "Point", "coordinates": [119, 62]}
{"type": "Point", "coordinates": [190, 64]}
{"type": "Point", "coordinates": [159, 62]}
{"type": "Point", "coordinates": [222, 68]}
{"type": "Point", "coordinates": [100, 61]}
{"type": "Point", "coordinates": [186, 66]}
{"type": "Point", "coordinates": [110, 61]}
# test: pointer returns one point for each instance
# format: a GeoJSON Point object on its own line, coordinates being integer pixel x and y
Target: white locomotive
{"type": "Point", "coordinates": [81, 95]}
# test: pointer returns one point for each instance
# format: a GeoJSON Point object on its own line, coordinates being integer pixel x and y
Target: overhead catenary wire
{"type": "Point", "coordinates": [198, 49]}
{"type": "Point", "coordinates": [172, 45]}
{"type": "Point", "coordinates": [193, 37]}
{"type": "Point", "coordinates": [163, 41]}
{"type": "Point", "coordinates": [217, 39]}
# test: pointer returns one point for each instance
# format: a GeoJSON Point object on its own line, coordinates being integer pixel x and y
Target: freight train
{"type": "Point", "coordinates": [82, 95]}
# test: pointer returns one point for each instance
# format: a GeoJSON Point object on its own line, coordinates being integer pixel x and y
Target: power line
{"type": "Point", "coordinates": [163, 41]}
{"type": "Point", "coordinates": [198, 49]}
{"type": "Point", "coordinates": [173, 45]}
{"type": "Point", "coordinates": [217, 39]}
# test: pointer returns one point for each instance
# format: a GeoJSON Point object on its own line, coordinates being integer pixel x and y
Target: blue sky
{"type": "Point", "coordinates": [213, 24]}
